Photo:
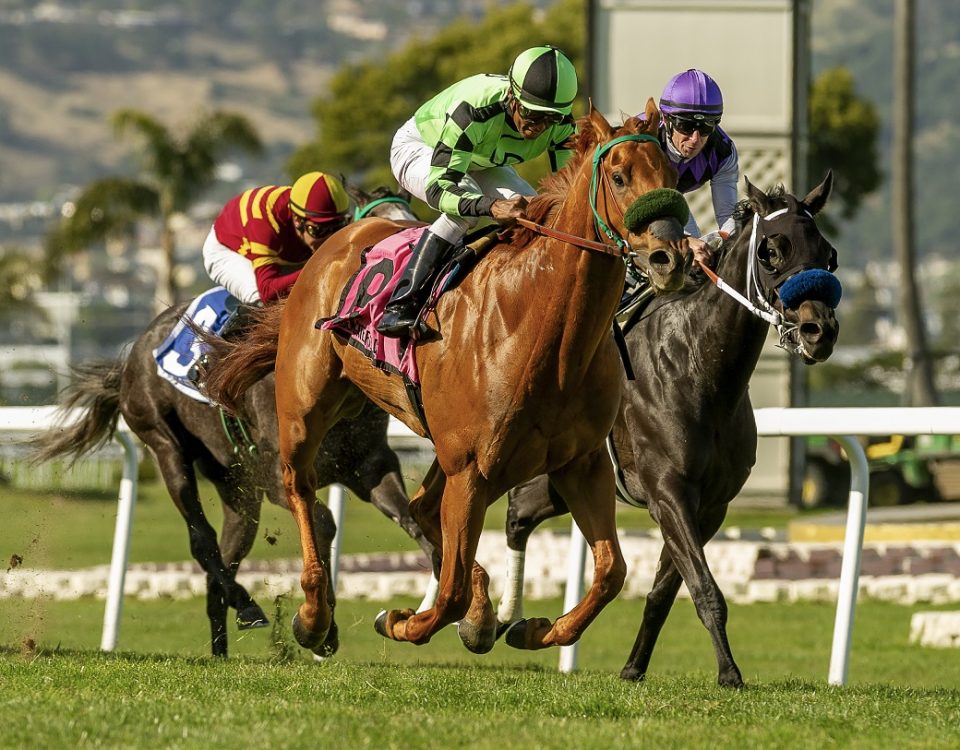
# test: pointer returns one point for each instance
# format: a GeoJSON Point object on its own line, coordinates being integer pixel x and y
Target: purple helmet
{"type": "Point", "coordinates": [692, 92]}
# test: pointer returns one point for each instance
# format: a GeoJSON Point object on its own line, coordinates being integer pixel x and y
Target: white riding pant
{"type": "Point", "coordinates": [410, 160]}
{"type": "Point", "coordinates": [230, 269]}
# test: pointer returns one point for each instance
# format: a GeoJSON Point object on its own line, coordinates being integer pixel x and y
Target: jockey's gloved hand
{"type": "Point", "coordinates": [506, 210]}
{"type": "Point", "coordinates": [702, 251]}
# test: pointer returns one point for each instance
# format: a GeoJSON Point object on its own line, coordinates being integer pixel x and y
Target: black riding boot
{"type": "Point", "coordinates": [410, 293]}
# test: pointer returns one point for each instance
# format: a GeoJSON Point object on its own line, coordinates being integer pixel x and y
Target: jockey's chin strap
{"type": "Point", "coordinates": [762, 309]}
{"type": "Point", "coordinates": [359, 213]}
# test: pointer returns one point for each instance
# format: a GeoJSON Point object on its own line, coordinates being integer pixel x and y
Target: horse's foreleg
{"type": "Point", "coordinates": [666, 584]}
{"type": "Point", "coordinates": [684, 537]}
{"type": "Point", "coordinates": [461, 512]}
{"type": "Point", "coordinates": [587, 486]}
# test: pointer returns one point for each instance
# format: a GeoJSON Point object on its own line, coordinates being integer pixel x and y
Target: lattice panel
{"type": "Point", "coordinates": [765, 164]}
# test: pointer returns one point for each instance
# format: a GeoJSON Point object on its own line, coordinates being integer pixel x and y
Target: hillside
{"type": "Point", "coordinates": [64, 69]}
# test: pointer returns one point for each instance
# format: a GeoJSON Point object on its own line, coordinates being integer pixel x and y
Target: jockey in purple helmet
{"type": "Point", "coordinates": [691, 105]}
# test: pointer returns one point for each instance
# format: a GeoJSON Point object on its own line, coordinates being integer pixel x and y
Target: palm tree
{"type": "Point", "coordinates": [175, 171]}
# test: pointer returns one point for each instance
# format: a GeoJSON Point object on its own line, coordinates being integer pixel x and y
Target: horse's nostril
{"type": "Point", "coordinates": [811, 331]}
{"type": "Point", "coordinates": [660, 258]}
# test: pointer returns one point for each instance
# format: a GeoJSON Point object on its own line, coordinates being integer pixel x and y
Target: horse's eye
{"type": "Point", "coordinates": [618, 179]}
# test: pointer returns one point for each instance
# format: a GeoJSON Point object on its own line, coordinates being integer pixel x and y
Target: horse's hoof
{"type": "Point", "coordinates": [731, 679]}
{"type": "Point", "coordinates": [631, 674]}
{"type": "Point", "coordinates": [306, 638]}
{"type": "Point", "coordinates": [514, 634]}
{"type": "Point", "coordinates": [251, 617]}
{"type": "Point", "coordinates": [331, 645]}
{"type": "Point", "coordinates": [528, 633]}
{"type": "Point", "coordinates": [503, 627]}
{"type": "Point", "coordinates": [380, 624]}
{"type": "Point", "coordinates": [477, 639]}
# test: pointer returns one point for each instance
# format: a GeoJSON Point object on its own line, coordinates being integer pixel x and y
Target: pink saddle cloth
{"type": "Point", "coordinates": [364, 298]}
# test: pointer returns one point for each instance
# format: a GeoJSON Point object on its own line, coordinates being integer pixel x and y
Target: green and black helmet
{"type": "Point", "coordinates": [543, 78]}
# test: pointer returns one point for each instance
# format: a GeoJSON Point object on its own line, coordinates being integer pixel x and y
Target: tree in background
{"type": "Point", "coordinates": [844, 130]}
{"type": "Point", "coordinates": [174, 172]}
{"type": "Point", "coordinates": [367, 102]}
{"type": "Point", "coordinates": [919, 389]}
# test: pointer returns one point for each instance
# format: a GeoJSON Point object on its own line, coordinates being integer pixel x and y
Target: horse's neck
{"type": "Point", "coordinates": [739, 333]}
{"type": "Point", "coordinates": [577, 290]}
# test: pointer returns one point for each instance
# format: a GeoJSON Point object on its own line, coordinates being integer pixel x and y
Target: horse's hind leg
{"type": "Point", "coordinates": [305, 414]}
{"type": "Point", "coordinates": [241, 519]}
{"type": "Point", "coordinates": [587, 486]}
{"type": "Point", "coordinates": [180, 479]}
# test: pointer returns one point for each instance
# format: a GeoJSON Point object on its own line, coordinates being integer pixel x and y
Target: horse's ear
{"type": "Point", "coordinates": [647, 122]}
{"type": "Point", "coordinates": [817, 198]}
{"type": "Point", "coordinates": [758, 199]}
{"type": "Point", "coordinates": [596, 128]}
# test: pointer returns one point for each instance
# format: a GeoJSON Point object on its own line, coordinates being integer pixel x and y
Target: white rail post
{"type": "Point", "coordinates": [852, 556]}
{"type": "Point", "coordinates": [576, 557]}
{"type": "Point", "coordinates": [126, 502]}
{"type": "Point", "coordinates": [335, 501]}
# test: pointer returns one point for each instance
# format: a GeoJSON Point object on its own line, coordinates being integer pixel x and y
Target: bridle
{"type": "Point", "coordinates": [618, 247]}
{"type": "Point", "coordinates": [360, 213]}
{"type": "Point", "coordinates": [761, 307]}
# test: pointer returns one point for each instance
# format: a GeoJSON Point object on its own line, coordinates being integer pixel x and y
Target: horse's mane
{"type": "Point", "coordinates": [555, 187]}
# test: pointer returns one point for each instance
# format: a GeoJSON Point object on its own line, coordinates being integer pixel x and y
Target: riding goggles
{"type": "Point", "coordinates": [686, 125]}
{"type": "Point", "coordinates": [539, 116]}
{"type": "Point", "coordinates": [319, 230]}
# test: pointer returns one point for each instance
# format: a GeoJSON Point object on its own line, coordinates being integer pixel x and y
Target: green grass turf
{"type": "Point", "coordinates": [161, 690]}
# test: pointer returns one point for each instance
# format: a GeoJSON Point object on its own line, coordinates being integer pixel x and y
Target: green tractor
{"type": "Point", "coordinates": [903, 469]}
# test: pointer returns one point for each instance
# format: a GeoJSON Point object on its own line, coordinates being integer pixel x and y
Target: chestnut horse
{"type": "Point", "coordinates": [186, 436]}
{"type": "Point", "coordinates": [523, 379]}
{"type": "Point", "coordinates": [685, 436]}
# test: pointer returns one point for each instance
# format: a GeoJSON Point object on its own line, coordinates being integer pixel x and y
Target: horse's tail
{"type": "Point", "coordinates": [95, 388]}
{"type": "Point", "coordinates": [235, 364]}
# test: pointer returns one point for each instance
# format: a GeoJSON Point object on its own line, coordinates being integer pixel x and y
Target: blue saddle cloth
{"type": "Point", "coordinates": [177, 356]}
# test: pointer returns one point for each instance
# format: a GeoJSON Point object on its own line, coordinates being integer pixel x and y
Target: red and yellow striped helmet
{"type": "Point", "coordinates": [319, 198]}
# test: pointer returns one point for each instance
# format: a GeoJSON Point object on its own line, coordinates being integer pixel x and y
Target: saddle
{"type": "Point", "coordinates": [180, 353]}
{"type": "Point", "coordinates": [367, 292]}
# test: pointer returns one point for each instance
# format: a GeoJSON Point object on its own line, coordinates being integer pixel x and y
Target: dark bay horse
{"type": "Point", "coordinates": [523, 379]}
{"type": "Point", "coordinates": [186, 436]}
{"type": "Point", "coordinates": [685, 436]}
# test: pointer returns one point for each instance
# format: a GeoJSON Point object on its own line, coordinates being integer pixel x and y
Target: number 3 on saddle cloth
{"type": "Point", "coordinates": [365, 296]}
{"type": "Point", "coordinates": [178, 355]}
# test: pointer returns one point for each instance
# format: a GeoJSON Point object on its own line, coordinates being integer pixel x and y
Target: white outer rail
{"type": "Point", "coordinates": [841, 424]}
